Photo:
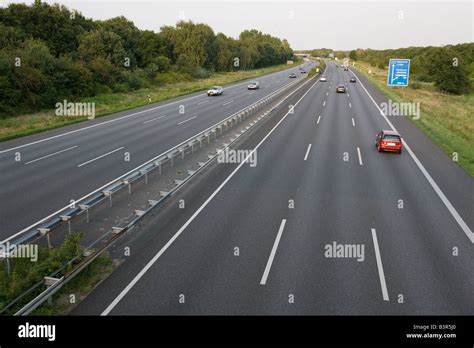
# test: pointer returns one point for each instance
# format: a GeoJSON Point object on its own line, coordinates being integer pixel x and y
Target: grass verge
{"type": "Point", "coordinates": [448, 120]}
{"type": "Point", "coordinates": [22, 273]}
{"type": "Point", "coordinates": [106, 104]}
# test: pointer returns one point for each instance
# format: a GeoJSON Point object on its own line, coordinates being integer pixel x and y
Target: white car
{"type": "Point", "coordinates": [253, 85]}
{"type": "Point", "coordinates": [215, 90]}
{"type": "Point", "coordinates": [323, 79]}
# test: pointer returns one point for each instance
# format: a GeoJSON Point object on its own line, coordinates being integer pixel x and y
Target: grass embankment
{"type": "Point", "coordinates": [105, 104]}
{"type": "Point", "coordinates": [448, 120]}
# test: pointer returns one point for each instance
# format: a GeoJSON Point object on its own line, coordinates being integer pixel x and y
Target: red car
{"type": "Point", "coordinates": [388, 140]}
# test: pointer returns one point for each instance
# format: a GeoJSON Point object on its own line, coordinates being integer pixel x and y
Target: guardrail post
{"type": "Point", "coordinates": [7, 266]}
{"type": "Point", "coordinates": [109, 193]}
{"type": "Point", "coordinates": [86, 208]}
{"type": "Point", "coordinates": [49, 281]}
{"type": "Point", "coordinates": [45, 232]}
{"type": "Point", "coordinates": [68, 219]}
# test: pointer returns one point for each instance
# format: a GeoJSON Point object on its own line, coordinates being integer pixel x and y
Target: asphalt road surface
{"type": "Point", "coordinates": [267, 239]}
{"type": "Point", "coordinates": [67, 163]}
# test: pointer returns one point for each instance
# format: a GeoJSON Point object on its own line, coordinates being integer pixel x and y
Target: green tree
{"type": "Point", "coordinates": [449, 76]}
{"type": "Point", "coordinates": [103, 44]}
{"type": "Point", "coordinates": [353, 55]}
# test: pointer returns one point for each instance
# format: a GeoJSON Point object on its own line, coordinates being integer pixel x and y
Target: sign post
{"type": "Point", "coordinates": [398, 72]}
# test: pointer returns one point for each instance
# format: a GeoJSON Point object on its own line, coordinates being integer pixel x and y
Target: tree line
{"type": "Point", "coordinates": [49, 53]}
{"type": "Point", "coordinates": [450, 68]}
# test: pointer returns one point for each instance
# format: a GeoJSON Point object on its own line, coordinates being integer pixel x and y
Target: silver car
{"type": "Point", "coordinates": [215, 90]}
{"type": "Point", "coordinates": [253, 85]}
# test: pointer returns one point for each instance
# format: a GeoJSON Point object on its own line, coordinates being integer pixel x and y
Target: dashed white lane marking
{"type": "Point", "coordinates": [360, 156]}
{"type": "Point", "coordinates": [319, 118]}
{"type": "Point", "coordinates": [263, 281]}
{"type": "Point", "coordinates": [353, 123]}
{"type": "Point", "coordinates": [154, 119]}
{"type": "Point", "coordinates": [52, 154]}
{"type": "Point", "coordinates": [466, 229]}
{"type": "Point", "coordinates": [150, 263]}
{"type": "Point", "coordinates": [307, 152]}
{"type": "Point", "coordinates": [189, 119]}
{"type": "Point", "coordinates": [231, 101]}
{"type": "Point", "coordinates": [96, 158]}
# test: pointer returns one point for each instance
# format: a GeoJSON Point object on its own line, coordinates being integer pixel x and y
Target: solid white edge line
{"type": "Point", "coordinates": [383, 284]}
{"type": "Point", "coordinates": [360, 156]}
{"type": "Point", "coordinates": [307, 152]}
{"type": "Point", "coordinates": [51, 154]}
{"type": "Point", "coordinates": [122, 176]}
{"type": "Point", "coordinates": [99, 157]}
{"type": "Point", "coordinates": [127, 116]}
{"type": "Point", "coordinates": [466, 229]}
{"type": "Point", "coordinates": [154, 119]}
{"type": "Point", "coordinates": [189, 119]}
{"type": "Point", "coordinates": [150, 263]}
{"type": "Point", "coordinates": [263, 281]}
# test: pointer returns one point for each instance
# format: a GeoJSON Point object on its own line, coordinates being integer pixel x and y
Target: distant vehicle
{"type": "Point", "coordinates": [253, 85]}
{"type": "Point", "coordinates": [388, 140]}
{"type": "Point", "coordinates": [292, 76]}
{"type": "Point", "coordinates": [341, 89]}
{"type": "Point", "coordinates": [303, 71]}
{"type": "Point", "coordinates": [346, 68]}
{"type": "Point", "coordinates": [215, 90]}
{"type": "Point", "coordinates": [352, 79]}
{"type": "Point", "coordinates": [323, 78]}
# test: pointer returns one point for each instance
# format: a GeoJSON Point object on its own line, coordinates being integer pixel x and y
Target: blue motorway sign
{"type": "Point", "coordinates": [398, 72]}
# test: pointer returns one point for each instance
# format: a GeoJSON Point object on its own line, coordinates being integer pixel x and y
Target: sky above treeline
{"type": "Point", "coordinates": [340, 25]}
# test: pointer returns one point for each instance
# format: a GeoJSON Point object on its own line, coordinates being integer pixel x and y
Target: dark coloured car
{"type": "Point", "coordinates": [388, 140]}
{"type": "Point", "coordinates": [352, 79]}
{"type": "Point", "coordinates": [292, 76]}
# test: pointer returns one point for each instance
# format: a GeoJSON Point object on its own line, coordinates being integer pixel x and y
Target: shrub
{"type": "Point", "coordinates": [200, 73]}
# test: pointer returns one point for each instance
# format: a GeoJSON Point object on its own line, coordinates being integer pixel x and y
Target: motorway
{"type": "Point", "coordinates": [67, 163]}
{"type": "Point", "coordinates": [254, 240]}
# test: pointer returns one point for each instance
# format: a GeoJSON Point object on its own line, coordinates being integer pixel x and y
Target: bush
{"type": "Point", "coordinates": [120, 88]}
{"type": "Point", "coordinates": [424, 78]}
{"type": "Point", "coordinates": [24, 273]}
{"type": "Point", "coordinates": [172, 77]}
{"type": "Point", "coordinates": [200, 73]}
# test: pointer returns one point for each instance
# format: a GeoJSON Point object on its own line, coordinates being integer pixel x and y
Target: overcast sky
{"type": "Point", "coordinates": [307, 24]}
